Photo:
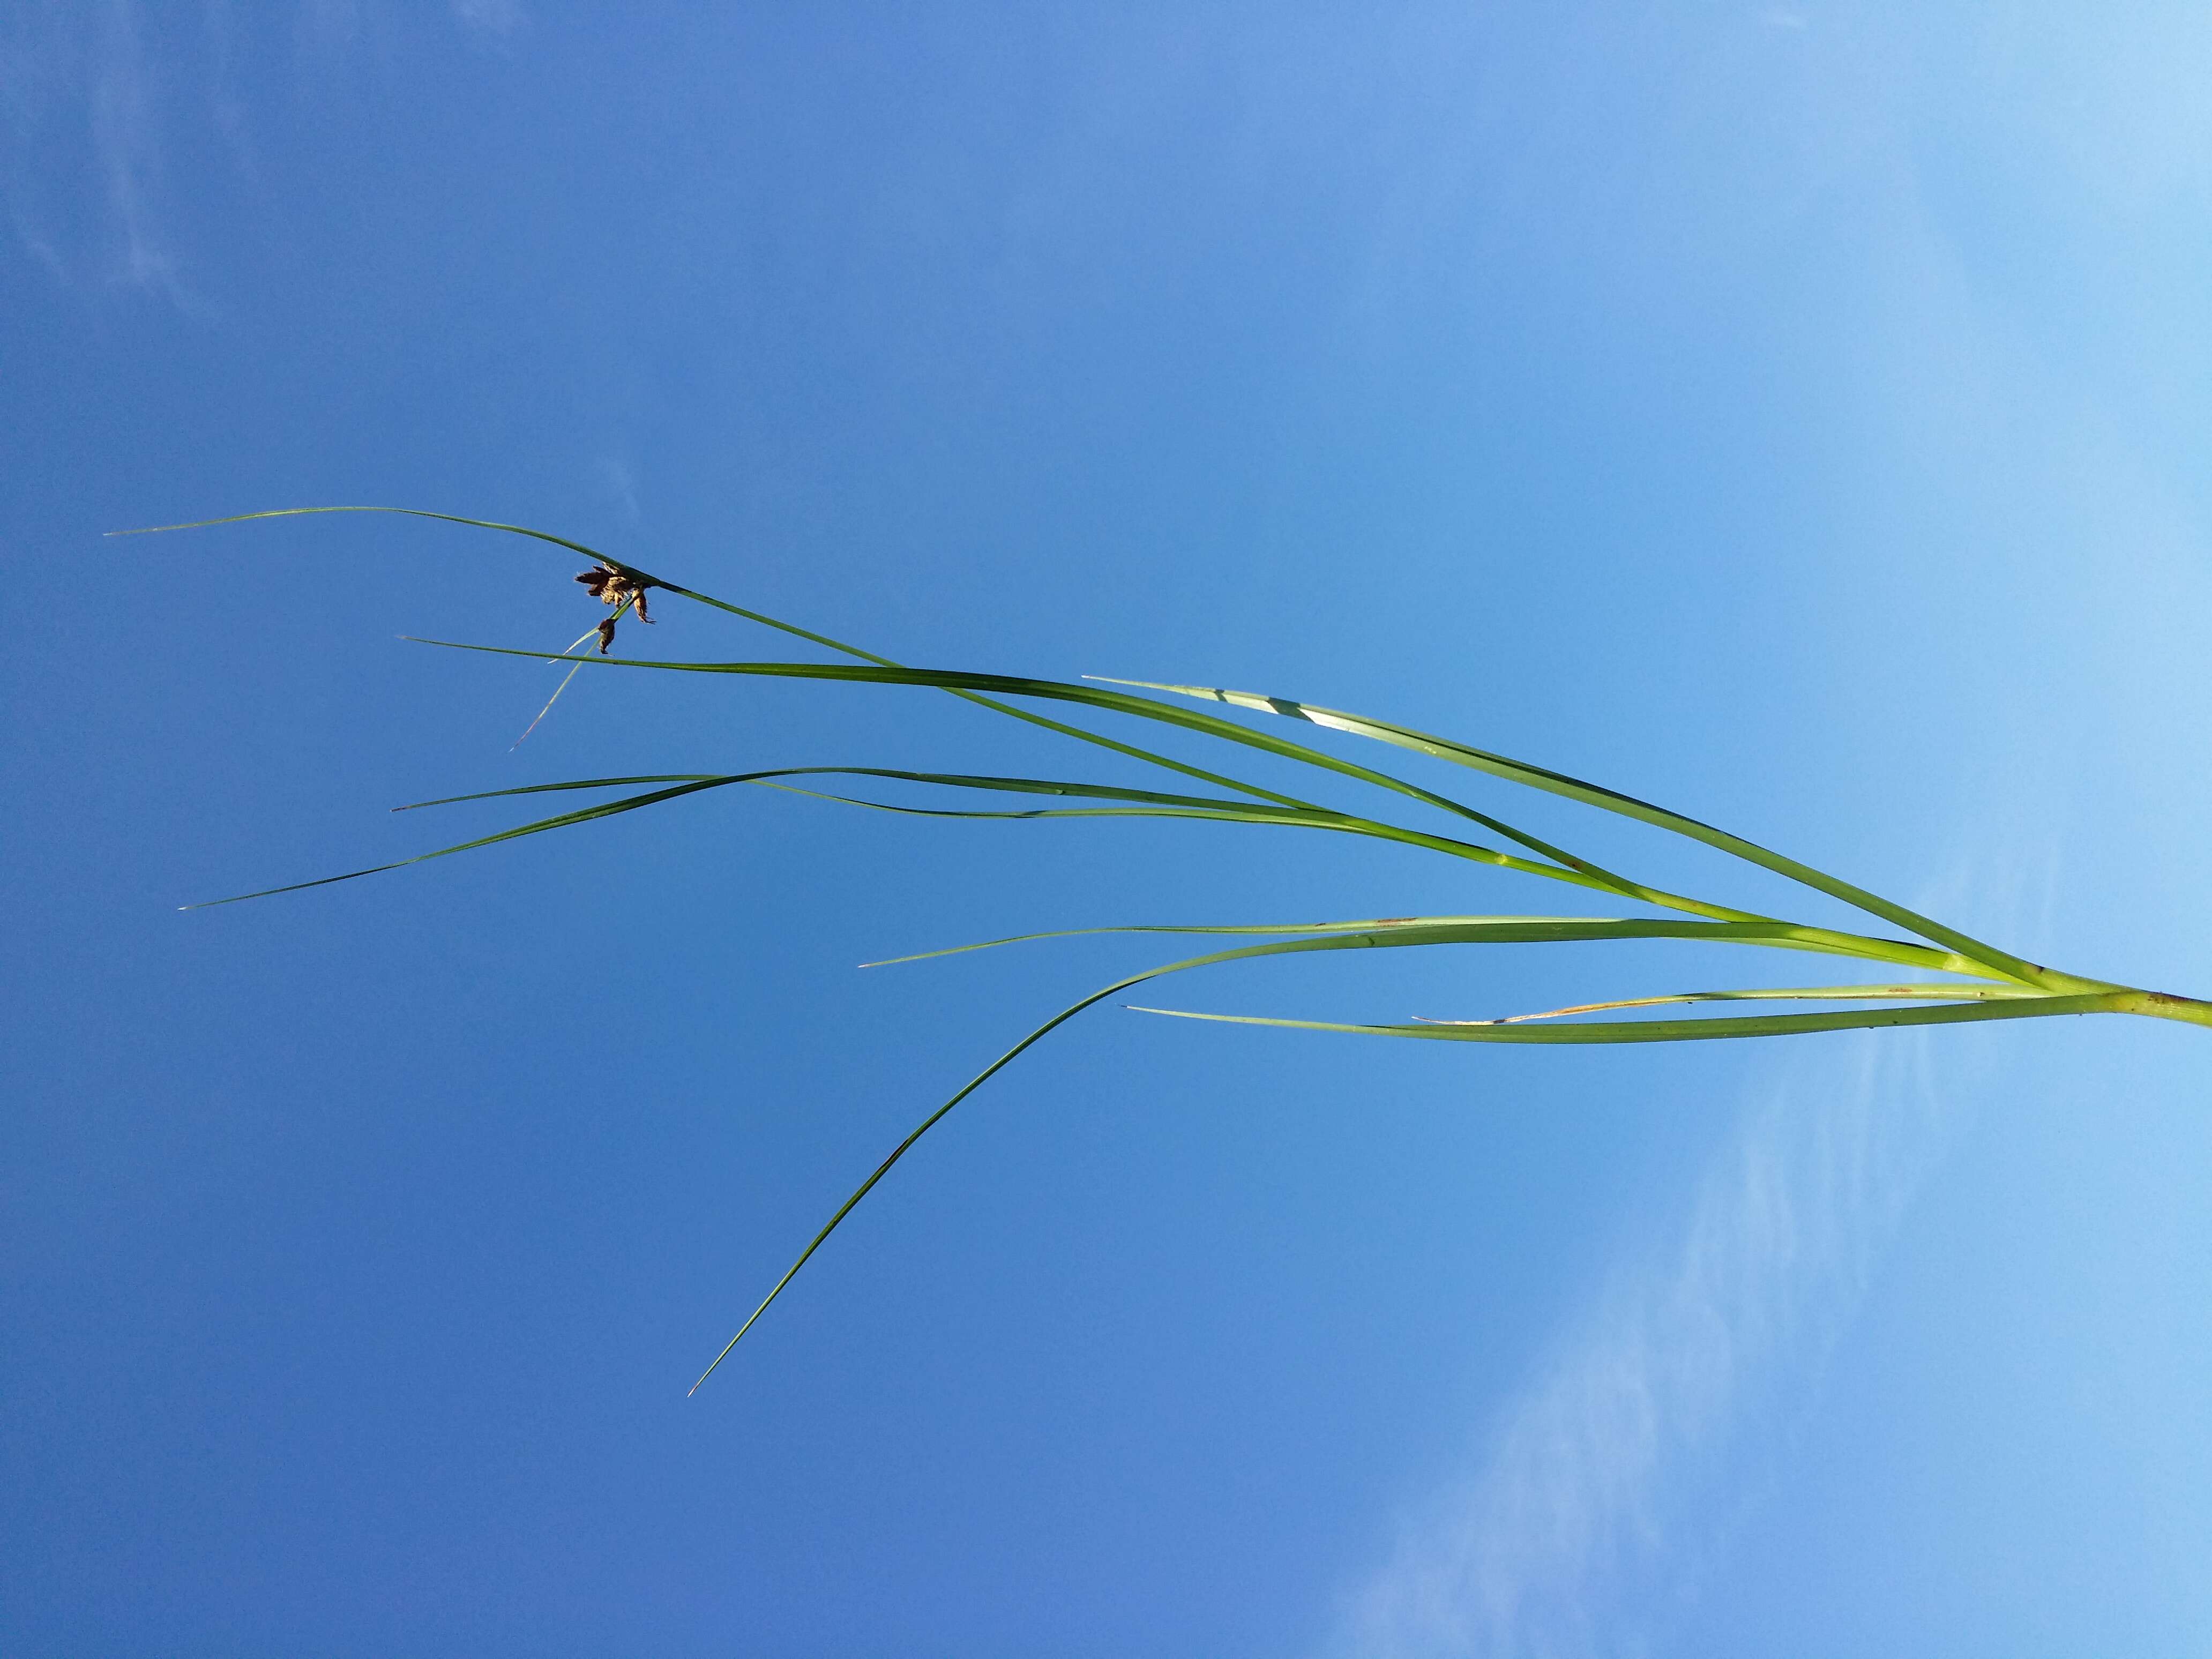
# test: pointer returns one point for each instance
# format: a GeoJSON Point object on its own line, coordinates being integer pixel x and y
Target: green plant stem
{"type": "Point", "coordinates": [2164, 1005]}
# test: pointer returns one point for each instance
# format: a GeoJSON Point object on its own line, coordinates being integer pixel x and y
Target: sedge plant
{"type": "Point", "coordinates": [1922, 971]}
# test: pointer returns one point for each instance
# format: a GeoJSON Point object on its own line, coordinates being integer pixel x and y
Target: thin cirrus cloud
{"type": "Point", "coordinates": [1591, 1501]}
{"type": "Point", "coordinates": [91, 104]}
{"type": "Point", "coordinates": [83, 172]}
{"type": "Point", "coordinates": [491, 16]}
{"type": "Point", "coordinates": [126, 139]}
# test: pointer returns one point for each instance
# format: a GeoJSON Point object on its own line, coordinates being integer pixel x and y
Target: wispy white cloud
{"type": "Point", "coordinates": [125, 137]}
{"type": "Point", "coordinates": [1608, 1481]}
{"type": "Point", "coordinates": [491, 16]}
{"type": "Point", "coordinates": [94, 98]}
{"type": "Point", "coordinates": [83, 157]}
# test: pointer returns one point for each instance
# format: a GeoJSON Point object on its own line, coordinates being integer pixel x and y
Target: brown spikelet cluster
{"type": "Point", "coordinates": [611, 585]}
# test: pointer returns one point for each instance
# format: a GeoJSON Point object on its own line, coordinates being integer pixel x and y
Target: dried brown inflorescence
{"type": "Point", "coordinates": [611, 586]}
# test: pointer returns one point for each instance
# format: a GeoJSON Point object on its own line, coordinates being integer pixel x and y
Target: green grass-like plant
{"type": "Point", "coordinates": [1979, 981]}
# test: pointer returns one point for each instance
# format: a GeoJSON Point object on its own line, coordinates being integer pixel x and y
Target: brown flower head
{"type": "Point", "coordinates": [617, 588]}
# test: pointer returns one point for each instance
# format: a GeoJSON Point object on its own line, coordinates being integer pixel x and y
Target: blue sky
{"type": "Point", "coordinates": [1795, 414]}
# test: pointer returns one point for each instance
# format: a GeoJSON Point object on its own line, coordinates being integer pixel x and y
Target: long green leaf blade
{"type": "Point", "coordinates": [1778, 935]}
{"type": "Point", "coordinates": [605, 810]}
{"type": "Point", "coordinates": [1373, 924]}
{"type": "Point", "coordinates": [1037, 1035]}
{"type": "Point", "coordinates": [2035, 1006]}
{"type": "Point", "coordinates": [1952, 991]}
{"type": "Point", "coordinates": [1485, 930]}
{"type": "Point", "coordinates": [649, 580]}
{"type": "Point", "coordinates": [1612, 801]}
{"type": "Point", "coordinates": [1115, 702]}
{"type": "Point", "coordinates": [1145, 708]}
{"type": "Point", "coordinates": [1173, 807]}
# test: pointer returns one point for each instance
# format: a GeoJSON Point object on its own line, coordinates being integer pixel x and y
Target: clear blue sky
{"type": "Point", "coordinates": [1800, 414]}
